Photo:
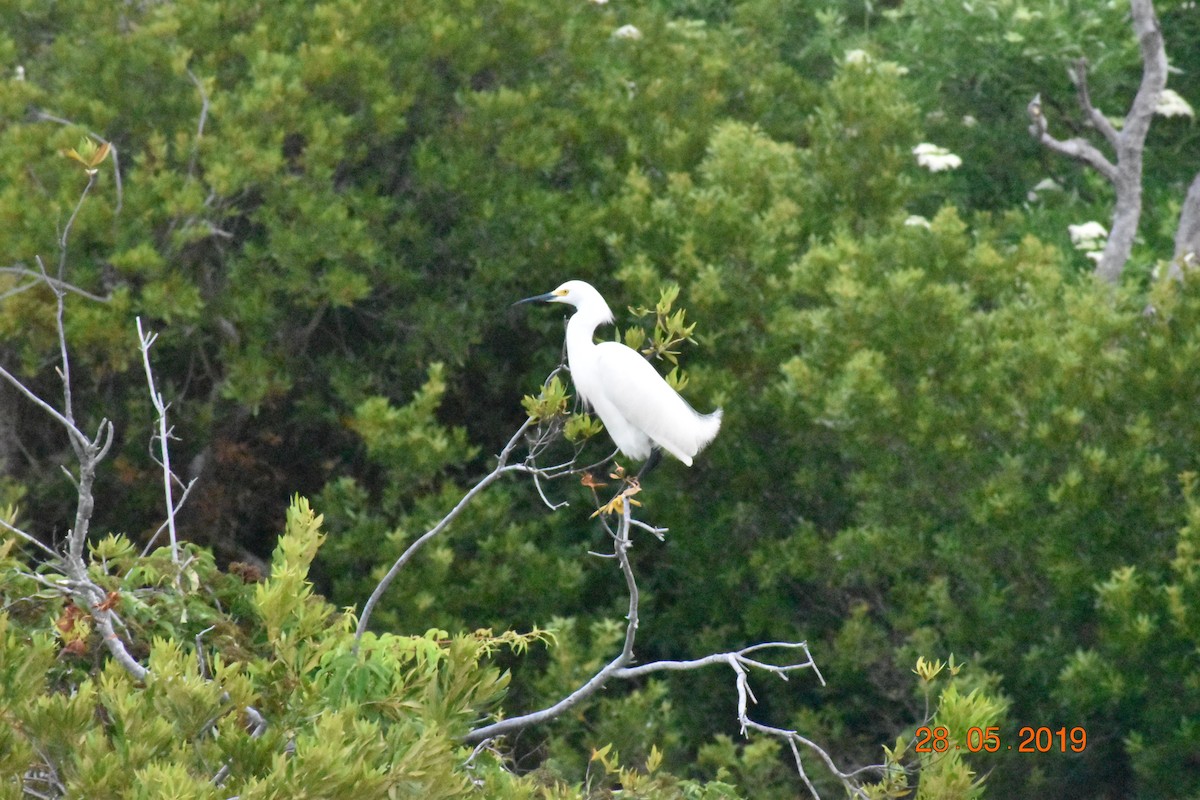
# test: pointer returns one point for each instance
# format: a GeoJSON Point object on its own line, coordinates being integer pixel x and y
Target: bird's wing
{"type": "Point", "coordinates": [636, 390]}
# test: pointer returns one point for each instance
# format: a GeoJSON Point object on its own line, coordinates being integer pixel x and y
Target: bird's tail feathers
{"type": "Point", "coordinates": [710, 424]}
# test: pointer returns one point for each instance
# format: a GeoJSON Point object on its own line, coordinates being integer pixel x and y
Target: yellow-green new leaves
{"type": "Point", "coordinates": [283, 600]}
{"type": "Point", "coordinates": [256, 705]}
{"type": "Point", "coordinates": [549, 403]}
{"type": "Point", "coordinates": [89, 154]}
{"type": "Point", "coordinates": [581, 426]}
{"type": "Point", "coordinates": [24, 662]}
{"type": "Point", "coordinates": [928, 670]}
{"type": "Point", "coordinates": [552, 403]}
{"type": "Point", "coordinates": [670, 328]}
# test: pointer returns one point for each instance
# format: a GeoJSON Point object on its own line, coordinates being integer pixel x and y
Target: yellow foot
{"type": "Point", "coordinates": [617, 504]}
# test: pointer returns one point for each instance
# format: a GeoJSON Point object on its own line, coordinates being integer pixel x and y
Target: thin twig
{"type": "Point", "coordinates": [19, 289]}
{"type": "Point", "coordinates": [54, 284]}
{"type": "Point", "coordinates": [29, 538]}
{"type": "Point", "coordinates": [182, 499]}
{"type": "Point", "coordinates": [64, 371]}
{"type": "Point", "coordinates": [597, 681]}
{"type": "Point", "coordinates": [145, 341]}
{"type": "Point", "coordinates": [502, 468]}
{"type": "Point", "coordinates": [66, 231]}
{"type": "Point", "coordinates": [199, 124]}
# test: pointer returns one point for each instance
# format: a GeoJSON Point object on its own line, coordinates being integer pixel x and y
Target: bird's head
{"type": "Point", "coordinates": [580, 294]}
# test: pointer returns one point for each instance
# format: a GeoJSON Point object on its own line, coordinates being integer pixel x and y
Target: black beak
{"type": "Point", "coordinates": [541, 298]}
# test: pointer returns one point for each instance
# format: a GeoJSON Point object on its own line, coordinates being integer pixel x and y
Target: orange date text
{"type": "Point", "coordinates": [988, 740]}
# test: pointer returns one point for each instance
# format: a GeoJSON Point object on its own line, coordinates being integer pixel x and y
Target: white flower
{"type": "Point", "coordinates": [19, 73]}
{"type": "Point", "coordinates": [600, 2]}
{"type": "Point", "coordinates": [969, 122]}
{"type": "Point", "coordinates": [934, 158]}
{"type": "Point", "coordinates": [627, 32]}
{"type": "Point", "coordinates": [917, 221]}
{"type": "Point", "coordinates": [1089, 236]}
{"type": "Point", "coordinates": [1170, 104]}
{"type": "Point", "coordinates": [858, 57]}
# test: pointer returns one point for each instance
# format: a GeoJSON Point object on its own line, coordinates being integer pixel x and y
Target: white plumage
{"type": "Point", "coordinates": [638, 408]}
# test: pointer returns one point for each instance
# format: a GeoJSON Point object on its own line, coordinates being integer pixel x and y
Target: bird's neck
{"type": "Point", "coordinates": [581, 330]}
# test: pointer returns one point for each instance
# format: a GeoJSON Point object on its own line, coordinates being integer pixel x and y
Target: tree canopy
{"type": "Point", "coordinates": [948, 438]}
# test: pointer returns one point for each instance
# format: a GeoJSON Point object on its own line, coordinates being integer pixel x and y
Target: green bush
{"type": "Point", "coordinates": [936, 439]}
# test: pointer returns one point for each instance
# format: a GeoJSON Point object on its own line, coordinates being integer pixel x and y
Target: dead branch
{"type": "Point", "coordinates": [1128, 143]}
{"type": "Point", "coordinates": [1187, 235]}
{"type": "Point", "coordinates": [145, 341]}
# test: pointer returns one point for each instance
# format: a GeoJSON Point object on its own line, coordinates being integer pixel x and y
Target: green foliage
{"type": "Point", "coordinates": [670, 329]}
{"type": "Point", "coordinates": [936, 438]}
{"type": "Point", "coordinates": [266, 704]}
{"type": "Point", "coordinates": [409, 442]}
{"type": "Point", "coordinates": [961, 728]}
{"type": "Point", "coordinates": [551, 402]}
{"type": "Point", "coordinates": [756, 766]}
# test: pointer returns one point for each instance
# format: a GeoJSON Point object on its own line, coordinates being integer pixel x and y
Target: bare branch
{"type": "Point", "coordinates": [741, 662]}
{"type": "Point", "coordinates": [1076, 148]}
{"type": "Point", "coordinates": [75, 433]}
{"type": "Point", "coordinates": [1127, 211]}
{"type": "Point", "coordinates": [537, 482]}
{"type": "Point", "coordinates": [116, 647]}
{"type": "Point", "coordinates": [1129, 143]}
{"type": "Point", "coordinates": [64, 237]}
{"type": "Point", "coordinates": [1154, 75]}
{"type": "Point", "coordinates": [597, 681]}
{"type": "Point", "coordinates": [145, 340]}
{"type": "Point", "coordinates": [502, 468]}
{"type": "Point", "coordinates": [187, 490]}
{"type": "Point", "coordinates": [54, 283]}
{"type": "Point", "coordinates": [18, 289]}
{"type": "Point", "coordinates": [739, 656]}
{"type": "Point", "coordinates": [89, 452]}
{"type": "Point", "coordinates": [1094, 115]}
{"type": "Point", "coordinates": [64, 371]}
{"type": "Point", "coordinates": [1187, 235]}
{"type": "Point", "coordinates": [28, 538]}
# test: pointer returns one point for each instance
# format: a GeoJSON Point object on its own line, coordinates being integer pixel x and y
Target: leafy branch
{"type": "Point", "coordinates": [547, 422]}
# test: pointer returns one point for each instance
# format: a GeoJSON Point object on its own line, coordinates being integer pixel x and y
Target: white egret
{"type": "Point", "coordinates": [640, 411]}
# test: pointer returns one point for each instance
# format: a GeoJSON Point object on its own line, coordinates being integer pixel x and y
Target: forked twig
{"type": "Point", "coordinates": [145, 341]}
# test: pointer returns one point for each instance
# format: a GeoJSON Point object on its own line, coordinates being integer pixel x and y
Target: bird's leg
{"type": "Point", "coordinates": [651, 463]}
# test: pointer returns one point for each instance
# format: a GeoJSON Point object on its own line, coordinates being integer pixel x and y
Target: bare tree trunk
{"type": "Point", "coordinates": [1187, 236]}
{"type": "Point", "coordinates": [1128, 143]}
{"type": "Point", "coordinates": [1131, 141]}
